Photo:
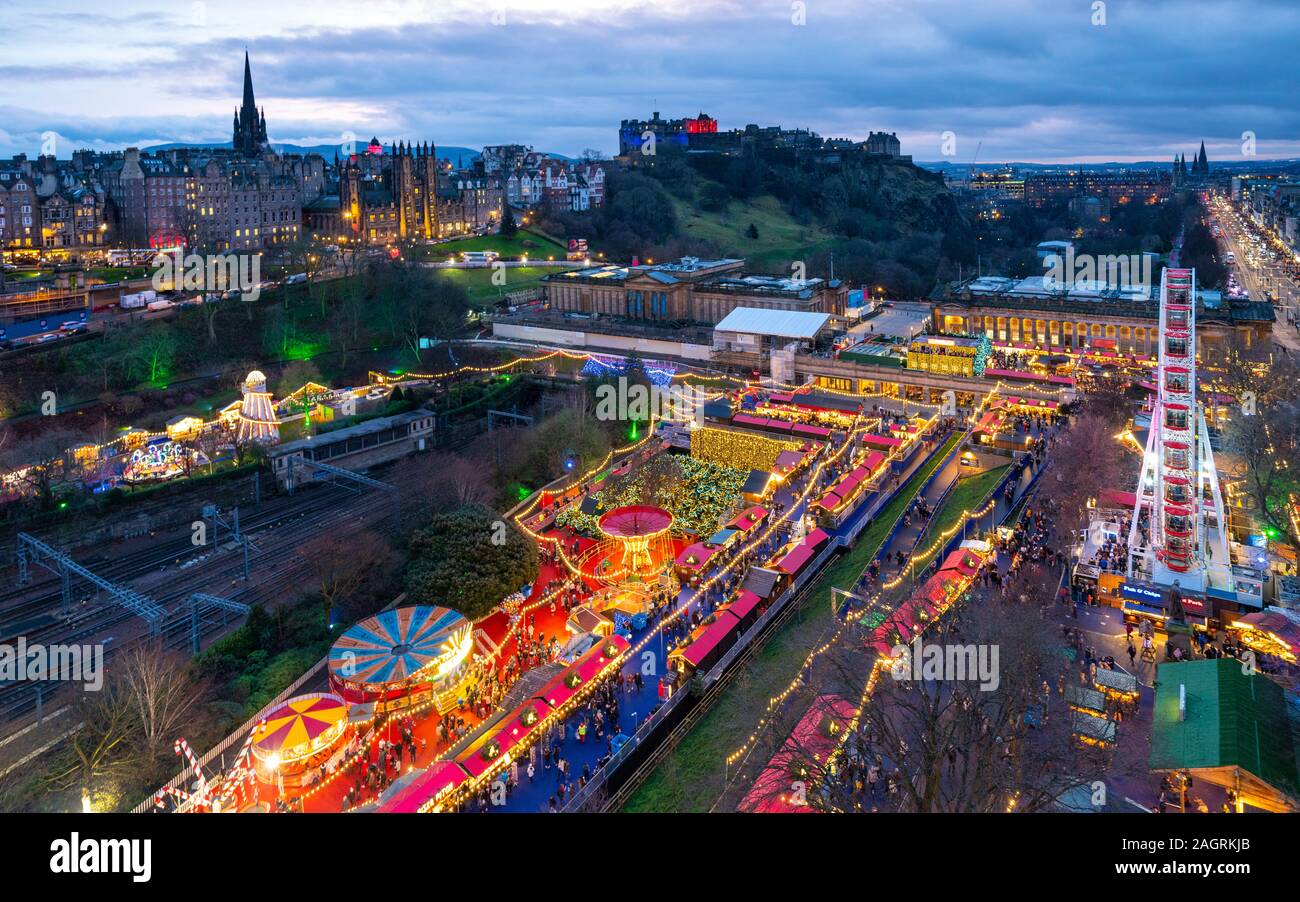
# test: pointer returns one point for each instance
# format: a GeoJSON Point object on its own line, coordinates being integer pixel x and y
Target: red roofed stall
{"type": "Point", "coordinates": [745, 608]}
{"type": "Point", "coordinates": [811, 743]}
{"type": "Point", "coordinates": [439, 778]}
{"type": "Point", "coordinates": [710, 645]}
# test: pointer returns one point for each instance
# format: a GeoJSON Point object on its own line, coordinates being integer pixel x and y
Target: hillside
{"type": "Point", "coordinates": [878, 221]}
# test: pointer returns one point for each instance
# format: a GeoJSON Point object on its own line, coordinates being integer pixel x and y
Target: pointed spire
{"type": "Point", "coordinates": [249, 103]}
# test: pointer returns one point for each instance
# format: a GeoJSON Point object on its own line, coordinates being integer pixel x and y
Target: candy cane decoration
{"type": "Point", "coordinates": [180, 795]}
{"type": "Point", "coordinates": [183, 749]}
{"type": "Point", "coordinates": [241, 770]}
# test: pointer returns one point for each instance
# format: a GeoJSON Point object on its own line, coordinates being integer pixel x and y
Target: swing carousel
{"type": "Point", "coordinates": [634, 546]}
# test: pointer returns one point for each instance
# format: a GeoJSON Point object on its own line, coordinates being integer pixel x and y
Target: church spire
{"type": "Point", "coordinates": [250, 122]}
{"type": "Point", "coordinates": [249, 103]}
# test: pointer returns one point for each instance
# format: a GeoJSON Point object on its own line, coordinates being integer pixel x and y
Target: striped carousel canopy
{"type": "Point", "coordinates": [299, 720]}
{"type": "Point", "coordinates": [393, 645]}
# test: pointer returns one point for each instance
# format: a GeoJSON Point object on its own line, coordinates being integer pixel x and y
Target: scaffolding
{"type": "Point", "coordinates": [202, 606]}
{"type": "Point", "coordinates": [339, 472]}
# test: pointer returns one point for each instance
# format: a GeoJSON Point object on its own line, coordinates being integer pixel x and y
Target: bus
{"type": "Point", "coordinates": [480, 256]}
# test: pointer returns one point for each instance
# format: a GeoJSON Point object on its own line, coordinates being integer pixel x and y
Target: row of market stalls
{"type": "Point", "coordinates": [781, 427]}
{"type": "Point", "coordinates": [841, 499]}
{"type": "Point", "coordinates": [936, 595]}
{"type": "Point", "coordinates": [713, 638]}
{"type": "Point", "coordinates": [997, 426]}
{"type": "Point", "coordinates": [694, 560]}
{"type": "Point", "coordinates": [445, 784]}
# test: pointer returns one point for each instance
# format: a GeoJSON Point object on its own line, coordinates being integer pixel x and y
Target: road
{"type": "Point", "coordinates": [1261, 266]}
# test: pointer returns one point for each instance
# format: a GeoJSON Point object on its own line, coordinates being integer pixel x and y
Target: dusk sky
{"type": "Point", "coordinates": [1033, 81]}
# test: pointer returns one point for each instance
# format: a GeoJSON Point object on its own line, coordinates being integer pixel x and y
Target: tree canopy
{"type": "Point", "coordinates": [469, 559]}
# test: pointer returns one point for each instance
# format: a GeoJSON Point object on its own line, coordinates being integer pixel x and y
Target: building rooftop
{"type": "Point", "coordinates": [779, 323]}
{"type": "Point", "coordinates": [765, 285]}
{"type": "Point", "coordinates": [378, 424]}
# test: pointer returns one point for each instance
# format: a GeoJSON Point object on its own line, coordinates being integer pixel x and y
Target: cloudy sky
{"type": "Point", "coordinates": [1039, 80]}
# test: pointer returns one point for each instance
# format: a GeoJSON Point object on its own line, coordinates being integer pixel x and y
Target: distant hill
{"type": "Point", "coordinates": [872, 221]}
{"type": "Point", "coordinates": [951, 168]}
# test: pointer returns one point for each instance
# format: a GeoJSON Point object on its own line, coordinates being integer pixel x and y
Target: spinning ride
{"type": "Point", "coordinates": [635, 530]}
{"type": "Point", "coordinates": [298, 735]}
{"type": "Point", "coordinates": [401, 655]}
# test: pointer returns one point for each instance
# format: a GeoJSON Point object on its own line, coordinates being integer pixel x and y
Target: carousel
{"type": "Point", "coordinates": [303, 733]}
{"type": "Point", "coordinates": [636, 545]}
{"type": "Point", "coordinates": [402, 657]}
{"type": "Point", "coordinates": [159, 460]}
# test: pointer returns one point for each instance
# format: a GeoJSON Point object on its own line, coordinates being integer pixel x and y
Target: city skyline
{"type": "Point", "coordinates": [459, 73]}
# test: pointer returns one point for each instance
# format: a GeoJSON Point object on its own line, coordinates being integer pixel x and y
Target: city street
{"type": "Point", "coordinates": [1259, 273]}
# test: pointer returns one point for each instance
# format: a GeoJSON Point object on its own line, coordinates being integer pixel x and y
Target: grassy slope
{"type": "Point", "coordinates": [968, 495]}
{"type": "Point", "coordinates": [478, 282]}
{"type": "Point", "coordinates": [780, 238]}
{"type": "Point", "coordinates": [538, 247]}
{"type": "Point", "coordinates": [692, 776]}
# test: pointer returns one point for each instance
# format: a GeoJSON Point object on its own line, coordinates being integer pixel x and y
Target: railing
{"type": "Point", "coordinates": [234, 737]}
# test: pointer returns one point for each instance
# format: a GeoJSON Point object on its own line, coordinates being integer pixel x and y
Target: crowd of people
{"type": "Point", "coordinates": [596, 723]}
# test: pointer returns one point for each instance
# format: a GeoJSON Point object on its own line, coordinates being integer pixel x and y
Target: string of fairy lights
{"type": "Point", "coordinates": [755, 541]}
{"type": "Point", "coordinates": [776, 700]}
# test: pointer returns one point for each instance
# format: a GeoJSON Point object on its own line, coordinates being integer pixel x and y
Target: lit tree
{"type": "Point", "coordinates": [44, 461]}
{"type": "Point", "coordinates": [101, 752]}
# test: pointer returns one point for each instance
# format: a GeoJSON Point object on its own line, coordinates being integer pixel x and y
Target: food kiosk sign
{"type": "Point", "coordinates": [1144, 594]}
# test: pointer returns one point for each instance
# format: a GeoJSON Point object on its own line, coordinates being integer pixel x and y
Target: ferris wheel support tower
{"type": "Point", "coordinates": [1179, 529]}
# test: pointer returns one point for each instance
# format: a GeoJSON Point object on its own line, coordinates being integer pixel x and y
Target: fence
{"type": "Point", "coordinates": [237, 736]}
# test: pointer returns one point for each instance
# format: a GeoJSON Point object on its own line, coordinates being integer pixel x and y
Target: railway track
{"type": "Point", "coordinates": [275, 569]}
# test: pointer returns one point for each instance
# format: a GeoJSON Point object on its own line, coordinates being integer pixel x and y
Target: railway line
{"type": "Point", "coordinates": [276, 567]}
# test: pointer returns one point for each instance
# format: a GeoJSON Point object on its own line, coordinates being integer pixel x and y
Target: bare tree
{"type": "Point", "coordinates": [1262, 438]}
{"type": "Point", "coordinates": [442, 480]}
{"type": "Point", "coordinates": [343, 567]}
{"type": "Point", "coordinates": [161, 689]}
{"type": "Point", "coordinates": [1086, 459]}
